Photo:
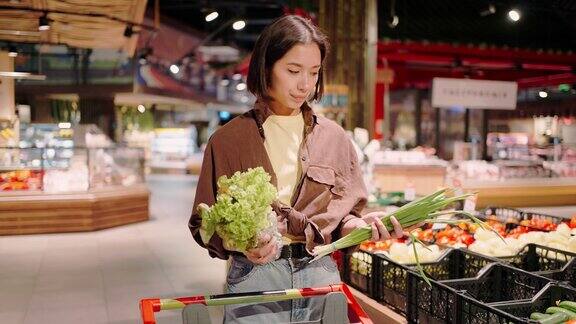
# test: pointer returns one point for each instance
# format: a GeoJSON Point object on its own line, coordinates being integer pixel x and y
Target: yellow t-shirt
{"type": "Point", "coordinates": [284, 136]}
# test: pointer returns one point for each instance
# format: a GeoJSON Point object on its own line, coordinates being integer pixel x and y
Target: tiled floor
{"type": "Point", "coordinates": [99, 277]}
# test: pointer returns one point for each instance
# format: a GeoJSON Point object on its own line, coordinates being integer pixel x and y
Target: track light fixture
{"type": "Point", "coordinates": [239, 25]}
{"type": "Point", "coordinates": [211, 16]}
{"type": "Point", "coordinates": [514, 15]}
{"type": "Point", "coordinates": [128, 31]}
{"type": "Point", "coordinates": [43, 22]}
{"type": "Point", "coordinates": [12, 51]}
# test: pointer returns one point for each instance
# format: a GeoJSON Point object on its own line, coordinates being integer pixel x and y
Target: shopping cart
{"type": "Point", "coordinates": [339, 305]}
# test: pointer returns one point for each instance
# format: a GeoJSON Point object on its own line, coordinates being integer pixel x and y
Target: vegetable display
{"type": "Point", "coordinates": [489, 244]}
{"type": "Point", "coordinates": [564, 312]}
{"type": "Point", "coordinates": [426, 209]}
{"type": "Point", "coordinates": [242, 211]}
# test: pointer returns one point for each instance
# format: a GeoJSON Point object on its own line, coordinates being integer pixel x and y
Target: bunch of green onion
{"type": "Point", "coordinates": [423, 210]}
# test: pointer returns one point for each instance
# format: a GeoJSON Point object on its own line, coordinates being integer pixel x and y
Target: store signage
{"type": "Point", "coordinates": [476, 94]}
{"type": "Point", "coordinates": [385, 75]}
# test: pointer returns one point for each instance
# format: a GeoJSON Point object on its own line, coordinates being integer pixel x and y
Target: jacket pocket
{"type": "Point", "coordinates": [327, 177]}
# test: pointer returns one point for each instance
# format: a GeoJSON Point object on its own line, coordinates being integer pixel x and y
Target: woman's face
{"type": "Point", "coordinates": [294, 77]}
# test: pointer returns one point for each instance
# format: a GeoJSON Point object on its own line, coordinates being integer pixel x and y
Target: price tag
{"type": "Point", "coordinates": [409, 192]}
{"type": "Point", "coordinates": [470, 204]}
{"type": "Point", "coordinates": [457, 187]}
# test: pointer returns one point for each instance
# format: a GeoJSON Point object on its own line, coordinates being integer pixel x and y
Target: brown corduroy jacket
{"type": "Point", "coordinates": [331, 190]}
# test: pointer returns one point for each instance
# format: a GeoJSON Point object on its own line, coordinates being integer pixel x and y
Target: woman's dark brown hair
{"type": "Point", "coordinates": [275, 41]}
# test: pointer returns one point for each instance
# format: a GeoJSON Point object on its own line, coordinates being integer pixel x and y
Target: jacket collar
{"type": "Point", "coordinates": [262, 111]}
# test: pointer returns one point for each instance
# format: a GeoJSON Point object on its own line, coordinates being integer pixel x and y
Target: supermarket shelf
{"type": "Point", "coordinates": [524, 192]}
{"type": "Point", "coordinates": [9, 168]}
{"type": "Point", "coordinates": [32, 212]}
{"type": "Point", "coordinates": [425, 178]}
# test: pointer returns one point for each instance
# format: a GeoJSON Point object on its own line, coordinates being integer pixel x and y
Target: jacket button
{"type": "Point", "coordinates": [303, 158]}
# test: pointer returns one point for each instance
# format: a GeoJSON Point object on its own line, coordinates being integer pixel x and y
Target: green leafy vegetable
{"type": "Point", "coordinates": [240, 214]}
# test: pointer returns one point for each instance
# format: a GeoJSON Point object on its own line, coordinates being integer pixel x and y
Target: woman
{"type": "Point", "coordinates": [312, 163]}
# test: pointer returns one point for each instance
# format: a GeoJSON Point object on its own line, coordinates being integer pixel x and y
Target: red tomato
{"type": "Point", "coordinates": [467, 239]}
{"type": "Point", "coordinates": [572, 222]}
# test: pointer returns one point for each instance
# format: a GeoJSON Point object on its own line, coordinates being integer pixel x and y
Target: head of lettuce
{"type": "Point", "coordinates": [242, 211]}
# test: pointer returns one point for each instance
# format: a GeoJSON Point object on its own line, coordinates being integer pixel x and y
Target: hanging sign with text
{"type": "Point", "coordinates": [477, 94]}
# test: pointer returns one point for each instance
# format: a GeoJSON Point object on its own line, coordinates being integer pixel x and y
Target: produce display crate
{"type": "Point", "coordinates": [546, 261]}
{"type": "Point", "coordinates": [440, 303]}
{"type": "Point", "coordinates": [505, 215]}
{"type": "Point", "coordinates": [500, 282]}
{"type": "Point", "coordinates": [547, 297]}
{"type": "Point", "coordinates": [390, 277]}
{"type": "Point", "coordinates": [357, 271]}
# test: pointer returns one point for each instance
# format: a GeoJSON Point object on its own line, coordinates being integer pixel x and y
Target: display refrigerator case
{"type": "Point", "coordinates": [57, 189]}
{"type": "Point", "coordinates": [172, 148]}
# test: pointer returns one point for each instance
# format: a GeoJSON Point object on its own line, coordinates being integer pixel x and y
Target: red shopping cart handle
{"type": "Point", "coordinates": [149, 306]}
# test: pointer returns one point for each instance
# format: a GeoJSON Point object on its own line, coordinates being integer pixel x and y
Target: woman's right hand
{"type": "Point", "coordinates": [265, 252]}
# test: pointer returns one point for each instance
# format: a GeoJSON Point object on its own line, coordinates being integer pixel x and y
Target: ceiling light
{"type": "Point", "coordinates": [142, 59]}
{"type": "Point", "coordinates": [174, 68]}
{"type": "Point", "coordinates": [211, 16]}
{"type": "Point", "coordinates": [542, 94]}
{"type": "Point", "coordinates": [225, 82]}
{"type": "Point", "coordinates": [514, 15]}
{"type": "Point", "coordinates": [141, 109]}
{"type": "Point", "coordinates": [239, 24]}
{"type": "Point", "coordinates": [237, 76]}
{"type": "Point", "coordinates": [12, 51]}
{"type": "Point", "coordinates": [241, 86]}
{"type": "Point", "coordinates": [129, 31]}
{"type": "Point", "coordinates": [43, 23]}
{"type": "Point", "coordinates": [489, 11]}
{"type": "Point", "coordinates": [144, 54]}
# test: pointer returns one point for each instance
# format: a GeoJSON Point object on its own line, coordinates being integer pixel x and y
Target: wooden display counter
{"type": "Point", "coordinates": [425, 178]}
{"type": "Point", "coordinates": [377, 312]}
{"type": "Point", "coordinates": [35, 212]}
{"type": "Point", "coordinates": [524, 192]}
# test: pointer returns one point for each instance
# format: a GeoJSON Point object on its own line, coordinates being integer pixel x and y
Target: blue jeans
{"type": "Point", "coordinates": [244, 276]}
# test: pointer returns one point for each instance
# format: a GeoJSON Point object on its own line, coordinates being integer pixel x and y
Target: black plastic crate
{"type": "Point", "coordinates": [439, 303]}
{"type": "Point", "coordinates": [505, 214]}
{"type": "Point", "coordinates": [500, 282]}
{"type": "Point", "coordinates": [357, 271]}
{"type": "Point", "coordinates": [547, 297]}
{"type": "Point", "coordinates": [390, 283]}
{"type": "Point", "coordinates": [546, 261]}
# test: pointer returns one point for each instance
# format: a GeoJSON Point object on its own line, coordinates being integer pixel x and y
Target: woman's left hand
{"type": "Point", "coordinates": [379, 231]}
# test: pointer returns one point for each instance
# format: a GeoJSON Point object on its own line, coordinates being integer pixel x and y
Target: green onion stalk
{"type": "Point", "coordinates": [423, 210]}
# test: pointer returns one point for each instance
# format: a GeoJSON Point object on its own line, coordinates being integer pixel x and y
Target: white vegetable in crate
{"type": "Point", "coordinates": [513, 244]}
{"type": "Point", "coordinates": [499, 248]}
{"type": "Point", "coordinates": [479, 247]}
{"type": "Point", "coordinates": [572, 244]}
{"type": "Point", "coordinates": [459, 245]}
{"type": "Point", "coordinates": [399, 252]}
{"type": "Point", "coordinates": [564, 229]}
{"type": "Point", "coordinates": [484, 235]}
{"type": "Point", "coordinates": [428, 255]}
{"type": "Point", "coordinates": [533, 237]}
{"type": "Point", "coordinates": [556, 237]}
